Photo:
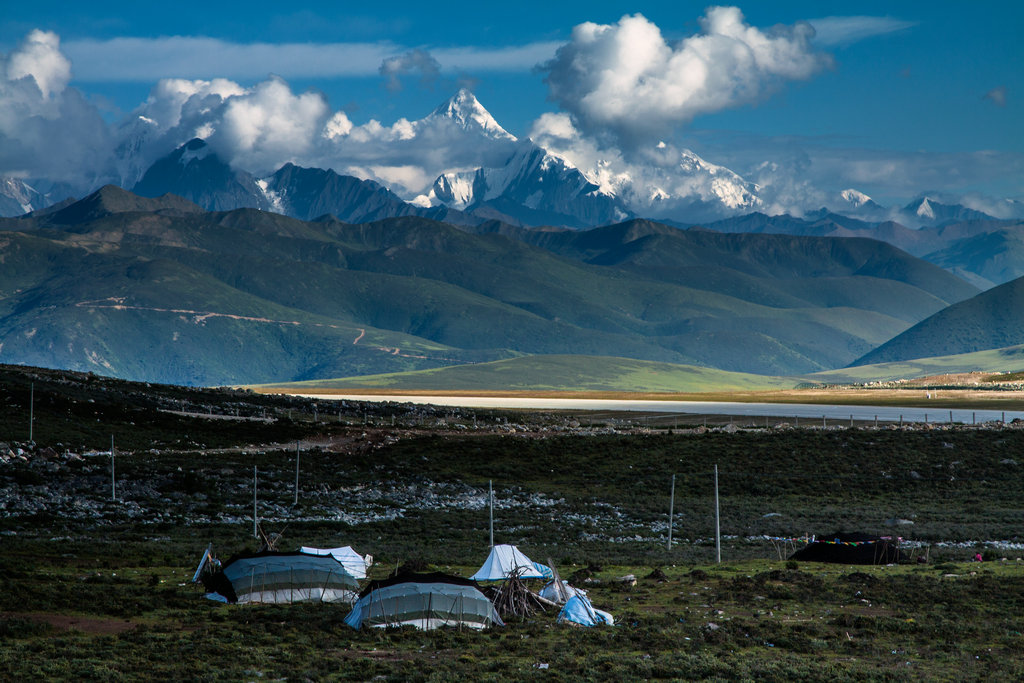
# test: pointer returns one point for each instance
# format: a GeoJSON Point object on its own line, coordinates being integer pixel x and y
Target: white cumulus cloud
{"type": "Point", "coordinates": [626, 82]}
{"type": "Point", "coordinates": [258, 129]}
{"type": "Point", "coordinates": [47, 129]}
{"type": "Point", "coordinates": [39, 57]}
{"type": "Point", "coordinates": [269, 125]}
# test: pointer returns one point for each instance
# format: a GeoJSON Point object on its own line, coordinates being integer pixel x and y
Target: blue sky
{"type": "Point", "coordinates": [936, 82]}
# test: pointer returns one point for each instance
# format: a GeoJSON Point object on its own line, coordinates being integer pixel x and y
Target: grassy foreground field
{"type": "Point", "coordinates": [97, 589]}
{"type": "Point", "coordinates": [134, 618]}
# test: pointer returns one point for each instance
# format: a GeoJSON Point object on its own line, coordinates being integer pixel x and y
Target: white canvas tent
{"type": "Point", "coordinates": [503, 561]}
{"type": "Point", "coordinates": [354, 563]}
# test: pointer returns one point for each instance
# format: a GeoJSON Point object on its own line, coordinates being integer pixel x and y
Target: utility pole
{"type": "Point", "coordinates": [490, 496]}
{"type": "Point", "coordinates": [718, 534]}
{"type": "Point", "coordinates": [113, 484]}
{"type": "Point", "coordinates": [255, 530]}
{"type": "Point", "coordinates": [296, 473]}
{"type": "Point", "coordinates": [671, 509]}
{"type": "Point", "coordinates": [31, 409]}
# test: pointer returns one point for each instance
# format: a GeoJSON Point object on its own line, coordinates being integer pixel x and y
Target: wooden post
{"type": "Point", "coordinates": [718, 534]}
{"type": "Point", "coordinates": [671, 509]}
{"type": "Point", "coordinates": [255, 530]}
{"type": "Point", "coordinates": [113, 486]}
{"type": "Point", "coordinates": [296, 473]}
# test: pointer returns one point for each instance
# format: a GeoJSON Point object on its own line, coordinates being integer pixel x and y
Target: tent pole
{"type": "Point", "coordinates": [490, 496]}
{"type": "Point", "coordinates": [671, 509]}
{"type": "Point", "coordinates": [718, 535]}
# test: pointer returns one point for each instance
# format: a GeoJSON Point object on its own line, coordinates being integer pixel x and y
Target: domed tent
{"type": "Point", "coordinates": [274, 577]}
{"type": "Point", "coordinates": [851, 549]}
{"type": "Point", "coordinates": [354, 563]}
{"type": "Point", "coordinates": [426, 601]}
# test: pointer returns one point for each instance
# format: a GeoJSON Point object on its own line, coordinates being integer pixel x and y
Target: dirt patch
{"type": "Point", "coordinates": [65, 622]}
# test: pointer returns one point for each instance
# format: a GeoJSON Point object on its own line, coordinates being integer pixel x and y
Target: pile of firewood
{"type": "Point", "coordinates": [513, 598]}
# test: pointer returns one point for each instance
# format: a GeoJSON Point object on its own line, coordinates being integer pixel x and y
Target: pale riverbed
{"type": "Point", "coordinates": [802, 411]}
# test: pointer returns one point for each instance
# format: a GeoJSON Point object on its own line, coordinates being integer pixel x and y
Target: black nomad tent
{"type": "Point", "coordinates": [274, 577]}
{"type": "Point", "coordinates": [851, 549]}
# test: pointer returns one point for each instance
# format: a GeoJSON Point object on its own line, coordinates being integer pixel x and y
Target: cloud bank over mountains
{"type": "Point", "coordinates": [626, 95]}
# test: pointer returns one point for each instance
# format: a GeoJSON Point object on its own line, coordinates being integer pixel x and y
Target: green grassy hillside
{"type": "Point", "coordinates": [990, 320]}
{"type": "Point", "coordinates": [69, 307]}
{"type": "Point", "coordinates": [563, 373]}
{"type": "Point", "coordinates": [1009, 359]}
{"type": "Point", "coordinates": [428, 294]}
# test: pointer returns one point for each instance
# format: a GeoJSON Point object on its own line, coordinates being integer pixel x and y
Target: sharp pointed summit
{"type": "Point", "coordinates": [926, 210]}
{"type": "Point", "coordinates": [464, 109]}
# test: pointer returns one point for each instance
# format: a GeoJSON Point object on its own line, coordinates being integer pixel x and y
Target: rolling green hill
{"type": "Point", "coordinates": [158, 319]}
{"type": "Point", "coordinates": [155, 290]}
{"type": "Point", "coordinates": [1009, 359]}
{"type": "Point", "coordinates": [560, 373]}
{"type": "Point", "coordinates": [990, 320]}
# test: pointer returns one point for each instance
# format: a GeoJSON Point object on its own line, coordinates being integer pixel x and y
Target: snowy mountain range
{"type": "Point", "coordinates": [533, 186]}
{"type": "Point", "coordinates": [530, 185]}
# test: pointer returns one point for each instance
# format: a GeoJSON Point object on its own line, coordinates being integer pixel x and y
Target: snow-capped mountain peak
{"type": "Point", "coordinates": [533, 185]}
{"type": "Point", "coordinates": [17, 197]}
{"type": "Point", "coordinates": [924, 209]}
{"type": "Point", "coordinates": [697, 179]}
{"type": "Point", "coordinates": [466, 111]}
{"type": "Point", "coordinates": [855, 197]}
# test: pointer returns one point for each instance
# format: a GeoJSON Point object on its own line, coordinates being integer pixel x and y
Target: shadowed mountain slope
{"type": "Point", "coordinates": [159, 294]}
{"type": "Point", "coordinates": [990, 320]}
